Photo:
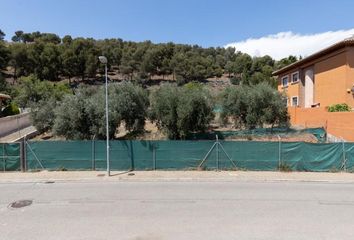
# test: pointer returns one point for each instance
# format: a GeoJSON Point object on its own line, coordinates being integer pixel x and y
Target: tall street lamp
{"type": "Point", "coordinates": [103, 60]}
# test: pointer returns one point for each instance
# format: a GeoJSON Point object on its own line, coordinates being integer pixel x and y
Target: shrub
{"type": "Point", "coordinates": [284, 167]}
{"type": "Point", "coordinates": [32, 90]}
{"type": "Point", "coordinates": [339, 108]}
{"type": "Point", "coordinates": [193, 86]}
{"type": "Point", "coordinates": [4, 86]}
{"type": "Point", "coordinates": [9, 110]}
{"type": "Point", "coordinates": [236, 80]}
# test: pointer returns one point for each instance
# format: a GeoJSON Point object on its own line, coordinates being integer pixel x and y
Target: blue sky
{"type": "Point", "coordinates": [202, 22]}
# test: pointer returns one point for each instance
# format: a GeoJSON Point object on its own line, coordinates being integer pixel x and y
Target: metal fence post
{"type": "Point", "coordinates": [279, 152]}
{"type": "Point", "coordinates": [93, 153]}
{"type": "Point", "coordinates": [217, 153]}
{"type": "Point", "coordinates": [154, 156]}
{"type": "Point", "coordinates": [344, 156]}
{"type": "Point", "coordinates": [22, 156]}
{"type": "Point", "coordinates": [35, 156]}
{"type": "Point", "coordinates": [3, 157]}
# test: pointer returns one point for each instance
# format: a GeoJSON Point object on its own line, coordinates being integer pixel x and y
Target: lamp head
{"type": "Point", "coordinates": [103, 59]}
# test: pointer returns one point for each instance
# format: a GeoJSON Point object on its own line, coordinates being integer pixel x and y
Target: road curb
{"type": "Point", "coordinates": [152, 179]}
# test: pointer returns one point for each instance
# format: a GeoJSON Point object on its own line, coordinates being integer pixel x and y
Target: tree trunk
{"type": "Point", "coordinates": [15, 72]}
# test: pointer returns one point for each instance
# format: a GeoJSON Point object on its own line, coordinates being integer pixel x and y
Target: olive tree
{"type": "Point", "coordinates": [82, 116]}
{"type": "Point", "coordinates": [181, 110]}
{"type": "Point", "coordinates": [254, 106]}
{"type": "Point", "coordinates": [130, 102]}
{"type": "Point", "coordinates": [42, 114]}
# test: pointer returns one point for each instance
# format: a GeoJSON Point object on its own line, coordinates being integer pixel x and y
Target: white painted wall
{"type": "Point", "coordinates": [309, 87]}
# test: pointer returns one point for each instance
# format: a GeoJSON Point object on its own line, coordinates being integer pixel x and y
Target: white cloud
{"type": "Point", "coordinates": [284, 44]}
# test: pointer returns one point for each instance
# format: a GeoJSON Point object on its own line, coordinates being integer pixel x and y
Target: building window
{"type": "Point", "coordinates": [294, 101]}
{"type": "Point", "coordinates": [295, 77]}
{"type": "Point", "coordinates": [286, 101]}
{"type": "Point", "coordinates": [284, 81]}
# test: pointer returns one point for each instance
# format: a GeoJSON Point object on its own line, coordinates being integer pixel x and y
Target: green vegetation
{"type": "Point", "coordinates": [254, 106]}
{"type": "Point", "coordinates": [9, 110]}
{"type": "Point", "coordinates": [49, 57]}
{"type": "Point", "coordinates": [343, 107]}
{"type": "Point", "coordinates": [283, 167]}
{"type": "Point", "coordinates": [82, 115]}
{"type": "Point", "coordinates": [4, 86]}
{"type": "Point", "coordinates": [31, 90]}
{"type": "Point", "coordinates": [180, 110]}
{"type": "Point", "coordinates": [35, 64]}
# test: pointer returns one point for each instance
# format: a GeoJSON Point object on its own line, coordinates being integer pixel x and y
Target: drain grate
{"type": "Point", "coordinates": [20, 203]}
{"type": "Point", "coordinates": [49, 182]}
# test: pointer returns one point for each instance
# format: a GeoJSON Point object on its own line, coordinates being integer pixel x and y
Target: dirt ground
{"type": "Point", "coordinates": [153, 133]}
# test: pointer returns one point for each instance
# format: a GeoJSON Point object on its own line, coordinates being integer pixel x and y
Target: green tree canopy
{"type": "Point", "coordinates": [2, 35]}
{"type": "Point", "coordinates": [82, 116]}
{"type": "Point", "coordinates": [32, 90]}
{"type": "Point", "coordinates": [254, 106]}
{"type": "Point", "coordinates": [179, 111]}
{"type": "Point", "coordinates": [51, 58]}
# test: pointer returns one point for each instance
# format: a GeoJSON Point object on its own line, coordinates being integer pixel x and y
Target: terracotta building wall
{"type": "Point", "coordinates": [292, 90]}
{"type": "Point", "coordinates": [350, 76]}
{"type": "Point", "coordinates": [339, 124]}
{"type": "Point", "coordinates": [333, 76]}
{"type": "Point", "coordinates": [330, 80]}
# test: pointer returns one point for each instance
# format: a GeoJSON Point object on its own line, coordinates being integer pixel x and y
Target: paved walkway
{"type": "Point", "coordinates": [175, 176]}
{"type": "Point", "coordinates": [13, 137]}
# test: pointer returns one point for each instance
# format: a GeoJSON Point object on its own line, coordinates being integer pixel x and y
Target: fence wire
{"type": "Point", "coordinates": [10, 156]}
{"type": "Point", "coordinates": [180, 155]}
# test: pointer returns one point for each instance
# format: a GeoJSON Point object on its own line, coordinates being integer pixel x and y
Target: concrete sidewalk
{"type": "Point", "coordinates": [21, 133]}
{"type": "Point", "coordinates": [203, 176]}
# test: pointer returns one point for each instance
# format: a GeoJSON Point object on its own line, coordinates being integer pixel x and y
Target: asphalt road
{"type": "Point", "coordinates": [178, 210]}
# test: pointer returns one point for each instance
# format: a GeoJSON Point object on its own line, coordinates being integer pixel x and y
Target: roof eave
{"type": "Point", "coordinates": [338, 45]}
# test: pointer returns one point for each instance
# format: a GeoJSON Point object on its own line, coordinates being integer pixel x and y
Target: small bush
{"type": "Point", "coordinates": [62, 169]}
{"type": "Point", "coordinates": [334, 169]}
{"type": "Point", "coordinates": [11, 109]}
{"type": "Point", "coordinates": [235, 80]}
{"type": "Point", "coordinates": [284, 167]}
{"type": "Point", "coordinates": [343, 107]}
{"type": "Point", "coordinates": [180, 81]}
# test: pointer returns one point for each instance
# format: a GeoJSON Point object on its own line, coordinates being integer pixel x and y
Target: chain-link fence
{"type": "Point", "coordinates": [10, 156]}
{"type": "Point", "coordinates": [180, 155]}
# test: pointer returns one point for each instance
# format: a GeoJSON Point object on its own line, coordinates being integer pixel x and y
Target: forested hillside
{"type": "Point", "coordinates": [52, 58]}
{"type": "Point", "coordinates": [35, 67]}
